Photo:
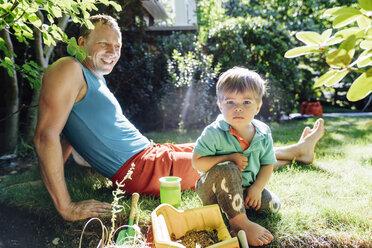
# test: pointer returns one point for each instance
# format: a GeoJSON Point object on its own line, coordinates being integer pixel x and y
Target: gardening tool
{"type": "Point", "coordinates": [242, 239]}
{"type": "Point", "coordinates": [129, 233]}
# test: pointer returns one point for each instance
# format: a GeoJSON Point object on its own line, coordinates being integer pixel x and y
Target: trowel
{"type": "Point", "coordinates": [129, 233]}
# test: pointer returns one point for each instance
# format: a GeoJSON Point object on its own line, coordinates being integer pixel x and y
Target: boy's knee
{"type": "Point", "coordinates": [226, 169]}
{"type": "Point", "coordinates": [270, 201]}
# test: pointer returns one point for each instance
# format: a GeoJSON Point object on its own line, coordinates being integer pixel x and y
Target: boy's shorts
{"type": "Point", "coordinates": [158, 161]}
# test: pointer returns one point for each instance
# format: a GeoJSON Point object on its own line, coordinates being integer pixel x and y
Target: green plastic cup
{"type": "Point", "coordinates": [170, 190]}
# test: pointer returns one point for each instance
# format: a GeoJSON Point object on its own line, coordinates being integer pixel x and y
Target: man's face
{"type": "Point", "coordinates": [104, 46]}
{"type": "Point", "coordinates": [239, 108]}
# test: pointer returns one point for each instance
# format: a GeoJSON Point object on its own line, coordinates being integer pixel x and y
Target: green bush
{"type": "Point", "coordinates": [188, 101]}
{"type": "Point", "coordinates": [259, 45]}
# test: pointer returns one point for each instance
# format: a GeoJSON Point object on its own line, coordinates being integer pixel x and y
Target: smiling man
{"type": "Point", "coordinates": [75, 101]}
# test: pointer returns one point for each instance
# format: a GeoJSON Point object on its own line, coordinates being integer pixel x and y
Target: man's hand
{"type": "Point", "coordinates": [239, 159]}
{"type": "Point", "coordinates": [85, 209]}
{"type": "Point", "coordinates": [253, 198]}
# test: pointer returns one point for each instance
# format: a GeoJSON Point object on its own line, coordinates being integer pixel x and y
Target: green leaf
{"type": "Point", "coordinates": [105, 2]}
{"type": "Point", "coordinates": [8, 61]}
{"type": "Point", "coordinates": [326, 34]}
{"type": "Point", "coordinates": [8, 67]}
{"type": "Point", "coordinates": [344, 34]}
{"type": "Point", "coordinates": [365, 59]}
{"type": "Point", "coordinates": [365, 4]}
{"type": "Point", "coordinates": [116, 6]}
{"type": "Point", "coordinates": [337, 77]}
{"type": "Point", "coordinates": [88, 24]}
{"type": "Point", "coordinates": [26, 67]}
{"type": "Point", "coordinates": [331, 11]}
{"type": "Point", "coordinates": [366, 44]}
{"type": "Point", "coordinates": [339, 58]}
{"type": "Point", "coordinates": [57, 12]}
{"type": "Point", "coordinates": [324, 78]}
{"type": "Point", "coordinates": [345, 19]}
{"type": "Point", "coordinates": [35, 20]}
{"type": "Point", "coordinates": [309, 38]}
{"type": "Point", "coordinates": [334, 40]}
{"type": "Point", "coordinates": [72, 46]}
{"type": "Point", "coordinates": [347, 11]}
{"type": "Point", "coordinates": [298, 51]}
{"type": "Point", "coordinates": [361, 87]}
{"type": "Point", "coordinates": [34, 64]}
{"type": "Point", "coordinates": [50, 18]}
{"type": "Point", "coordinates": [331, 77]}
{"type": "Point", "coordinates": [349, 43]}
{"type": "Point", "coordinates": [81, 54]}
{"type": "Point", "coordinates": [364, 22]}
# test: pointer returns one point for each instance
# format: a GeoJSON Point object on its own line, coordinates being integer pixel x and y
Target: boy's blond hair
{"type": "Point", "coordinates": [239, 79]}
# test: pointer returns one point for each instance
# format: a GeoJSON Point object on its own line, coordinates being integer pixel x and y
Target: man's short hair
{"type": "Point", "coordinates": [101, 18]}
{"type": "Point", "coordinates": [240, 79]}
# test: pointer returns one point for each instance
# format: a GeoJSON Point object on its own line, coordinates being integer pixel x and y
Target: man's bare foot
{"type": "Point", "coordinates": [256, 234]}
{"type": "Point", "coordinates": [308, 141]}
{"type": "Point", "coordinates": [305, 133]}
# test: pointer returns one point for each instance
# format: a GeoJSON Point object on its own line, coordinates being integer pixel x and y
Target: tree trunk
{"type": "Point", "coordinates": [43, 56]}
{"type": "Point", "coordinates": [12, 122]}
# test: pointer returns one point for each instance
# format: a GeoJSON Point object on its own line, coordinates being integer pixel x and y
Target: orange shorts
{"type": "Point", "coordinates": [158, 161]}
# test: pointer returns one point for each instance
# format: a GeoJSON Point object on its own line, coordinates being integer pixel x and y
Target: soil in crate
{"type": "Point", "coordinates": [197, 239]}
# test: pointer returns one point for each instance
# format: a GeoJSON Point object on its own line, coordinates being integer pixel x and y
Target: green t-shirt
{"type": "Point", "coordinates": [217, 140]}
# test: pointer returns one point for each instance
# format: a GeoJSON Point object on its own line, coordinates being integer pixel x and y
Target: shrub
{"type": "Point", "coordinates": [259, 45]}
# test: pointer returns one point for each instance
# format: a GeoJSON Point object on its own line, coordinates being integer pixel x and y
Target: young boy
{"type": "Point", "coordinates": [235, 155]}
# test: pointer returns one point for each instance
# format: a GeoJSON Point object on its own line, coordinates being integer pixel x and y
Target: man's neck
{"type": "Point", "coordinates": [89, 67]}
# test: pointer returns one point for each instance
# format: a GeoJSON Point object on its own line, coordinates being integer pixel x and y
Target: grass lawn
{"type": "Point", "coordinates": [325, 204]}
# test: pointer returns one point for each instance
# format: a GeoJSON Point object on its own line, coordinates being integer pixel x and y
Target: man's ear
{"type": "Point", "coordinates": [81, 41]}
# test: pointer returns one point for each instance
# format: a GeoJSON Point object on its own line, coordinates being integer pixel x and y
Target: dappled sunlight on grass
{"type": "Point", "coordinates": [325, 204]}
{"type": "Point", "coordinates": [331, 197]}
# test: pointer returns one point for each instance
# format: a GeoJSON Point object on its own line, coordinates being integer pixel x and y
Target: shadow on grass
{"type": "Point", "coordinates": [297, 167]}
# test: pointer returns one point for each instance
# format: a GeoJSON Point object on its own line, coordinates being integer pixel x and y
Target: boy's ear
{"type": "Point", "coordinates": [259, 107]}
{"type": "Point", "coordinates": [219, 105]}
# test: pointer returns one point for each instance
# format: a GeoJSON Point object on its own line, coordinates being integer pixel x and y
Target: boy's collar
{"type": "Point", "coordinates": [222, 124]}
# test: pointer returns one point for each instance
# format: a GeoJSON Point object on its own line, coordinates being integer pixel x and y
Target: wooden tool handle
{"type": "Point", "coordinates": [135, 198]}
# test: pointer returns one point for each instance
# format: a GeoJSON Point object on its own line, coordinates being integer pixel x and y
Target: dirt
{"type": "Point", "coordinates": [194, 239]}
{"type": "Point", "coordinates": [17, 229]}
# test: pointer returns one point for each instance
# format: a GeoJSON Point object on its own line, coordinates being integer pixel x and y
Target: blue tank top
{"type": "Point", "coordinates": [98, 130]}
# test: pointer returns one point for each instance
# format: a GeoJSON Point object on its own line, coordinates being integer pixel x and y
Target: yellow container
{"type": "Point", "coordinates": [166, 220]}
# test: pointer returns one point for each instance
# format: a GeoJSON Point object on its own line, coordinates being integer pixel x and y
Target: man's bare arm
{"type": "Point", "coordinates": [66, 148]}
{"type": "Point", "coordinates": [62, 85]}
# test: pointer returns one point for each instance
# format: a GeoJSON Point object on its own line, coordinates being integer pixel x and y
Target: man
{"type": "Point", "coordinates": [75, 101]}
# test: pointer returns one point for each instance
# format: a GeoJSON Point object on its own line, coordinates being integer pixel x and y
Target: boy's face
{"type": "Point", "coordinates": [239, 108]}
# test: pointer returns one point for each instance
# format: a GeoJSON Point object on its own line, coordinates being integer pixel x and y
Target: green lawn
{"type": "Point", "coordinates": [325, 204]}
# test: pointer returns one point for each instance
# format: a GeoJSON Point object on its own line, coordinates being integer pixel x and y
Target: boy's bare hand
{"type": "Point", "coordinates": [239, 159]}
{"type": "Point", "coordinates": [253, 198]}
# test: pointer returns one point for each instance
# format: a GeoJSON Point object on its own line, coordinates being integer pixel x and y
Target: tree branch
{"type": "Point", "coordinates": [39, 43]}
{"type": "Point", "coordinates": [62, 24]}
{"type": "Point", "coordinates": [19, 110]}
{"type": "Point", "coordinates": [15, 4]}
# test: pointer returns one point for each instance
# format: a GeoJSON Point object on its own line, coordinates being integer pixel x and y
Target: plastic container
{"type": "Point", "coordinates": [166, 220]}
{"type": "Point", "coordinates": [170, 190]}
